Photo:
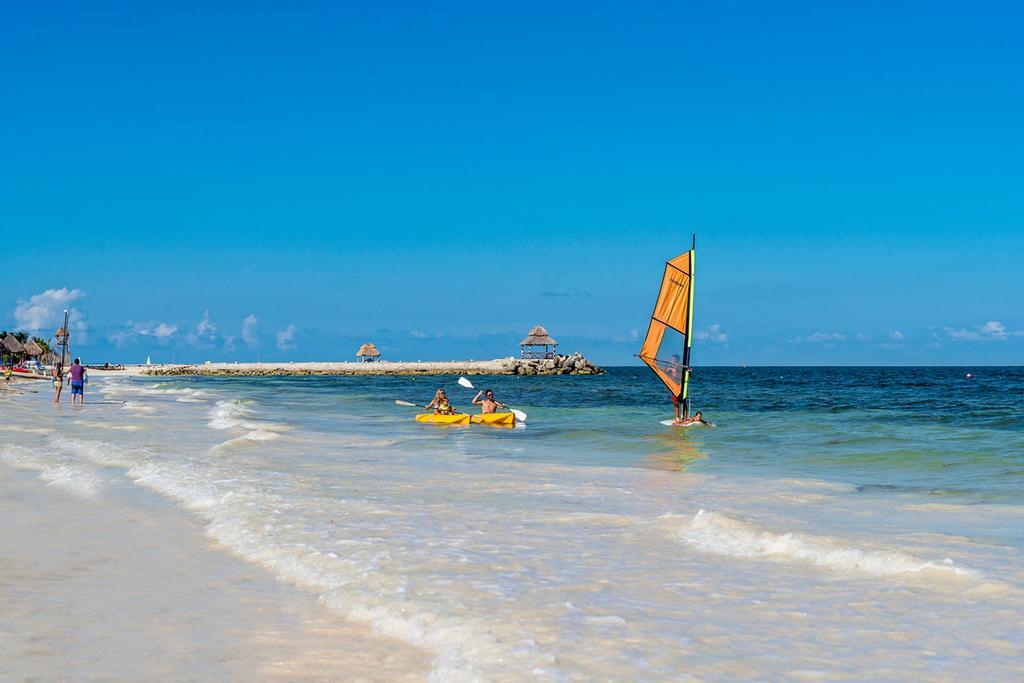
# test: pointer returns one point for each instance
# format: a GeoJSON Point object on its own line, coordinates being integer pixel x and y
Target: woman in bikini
{"type": "Point", "coordinates": [440, 404]}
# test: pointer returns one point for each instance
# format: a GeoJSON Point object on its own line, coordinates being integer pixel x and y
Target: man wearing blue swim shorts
{"type": "Point", "coordinates": [78, 378]}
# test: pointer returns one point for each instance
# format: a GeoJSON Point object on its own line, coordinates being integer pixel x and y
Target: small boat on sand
{"type": "Point", "coordinates": [30, 370]}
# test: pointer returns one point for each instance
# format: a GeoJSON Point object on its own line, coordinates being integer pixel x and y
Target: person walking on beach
{"type": "Point", "coordinates": [78, 380]}
{"type": "Point", "coordinates": [7, 374]}
{"type": "Point", "coordinates": [487, 404]}
{"type": "Point", "coordinates": [58, 381]}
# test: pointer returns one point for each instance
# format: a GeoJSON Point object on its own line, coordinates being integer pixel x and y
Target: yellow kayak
{"type": "Point", "coordinates": [497, 419]}
{"type": "Point", "coordinates": [431, 418]}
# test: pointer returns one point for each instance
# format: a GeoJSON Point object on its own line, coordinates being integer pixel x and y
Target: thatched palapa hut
{"type": "Point", "coordinates": [12, 344]}
{"type": "Point", "coordinates": [538, 344]}
{"type": "Point", "coordinates": [368, 353]}
{"type": "Point", "coordinates": [33, 349]}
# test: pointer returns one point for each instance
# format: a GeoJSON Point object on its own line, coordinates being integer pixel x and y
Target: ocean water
{"type": "Point", "coordinates": [838, 523]}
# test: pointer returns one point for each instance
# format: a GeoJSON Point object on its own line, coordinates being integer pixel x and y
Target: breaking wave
{"type": "Point", "coordinates": [723, 535]}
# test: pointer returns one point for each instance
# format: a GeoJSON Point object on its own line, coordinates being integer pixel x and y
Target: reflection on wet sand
{"type": "Point", "coordinates": [673, 450]}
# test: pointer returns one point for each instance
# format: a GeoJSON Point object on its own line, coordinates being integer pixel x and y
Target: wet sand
{"type": "Point", "coordinates": [131, 589]}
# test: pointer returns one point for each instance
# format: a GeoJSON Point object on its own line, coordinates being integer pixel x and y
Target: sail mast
{"type": "Point", "coordinates": [673, 316]}
{"type": "Point", "coordinates": [689, 331]}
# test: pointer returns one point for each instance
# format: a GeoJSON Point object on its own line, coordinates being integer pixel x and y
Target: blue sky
{"type": "Point", "coordinates": [438, 177]}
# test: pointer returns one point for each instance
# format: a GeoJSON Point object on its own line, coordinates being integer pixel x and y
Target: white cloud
{"type": "Point", "coordinates": [896, 335]}
{"type": "Point", "coordinates": [286, 338]}
{"type": "Point", "coordinates": [821, 338]}
{"type": "Point", "coordinates": [160, 331]}
{"type": "Point", "coordinates": [713, 334]}
{"type": "Point", "coordinates": [46, 310]}
{"type": "Point", "coordinates": [632, 337]}
{"type": "Point", "coordinates": [962, 335]}
{"type": "Point", "coordinates": [204, 333]}
{"type": "Point", "coordinates": [993, 330]}
{"type": "Point", "coordinates": [250, 330]}
{"type": "Point", "coordinates": [418, 334]}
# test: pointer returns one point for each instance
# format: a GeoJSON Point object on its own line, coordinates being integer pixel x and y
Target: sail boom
{"type": "Point", "coordinates": [671, 327]}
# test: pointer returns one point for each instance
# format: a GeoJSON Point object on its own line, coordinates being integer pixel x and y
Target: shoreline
{"type": "Point", "coordinates": [574, 364]}
{"type": "Point", "coordinates": [130, 587]}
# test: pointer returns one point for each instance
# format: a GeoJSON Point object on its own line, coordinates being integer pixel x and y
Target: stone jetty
{"type": "Point", "coordinates": [574, 364]}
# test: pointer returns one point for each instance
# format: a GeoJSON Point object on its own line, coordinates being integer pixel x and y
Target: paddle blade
{"type": "Point", "coordinates": [406, 404]}
{"type": "Point", "coordinates": [520, 415]}
{"type": "Point", "coordinates": [466, 383]}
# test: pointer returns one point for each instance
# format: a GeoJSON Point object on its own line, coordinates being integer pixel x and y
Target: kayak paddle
{"type": "Point", "coordinates": [520, 415]}
{"type": "Point", "coordinates": [406, 404]}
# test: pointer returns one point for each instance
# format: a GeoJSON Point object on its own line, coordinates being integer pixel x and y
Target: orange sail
{"type": "Point", "coordinates": [666, 349]}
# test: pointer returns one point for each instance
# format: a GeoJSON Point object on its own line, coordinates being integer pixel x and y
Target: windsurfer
{"type": "Point", "coordinates": [685, 422]}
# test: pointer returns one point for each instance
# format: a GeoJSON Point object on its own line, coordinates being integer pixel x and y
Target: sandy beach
{"type": "Point", "coordinates": [130, 588]}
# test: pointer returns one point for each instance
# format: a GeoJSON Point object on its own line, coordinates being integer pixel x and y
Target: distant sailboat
{"type": "Point", "coordinates": [669, 335]}
{"type": "Point", "coordinates": [147, 361]}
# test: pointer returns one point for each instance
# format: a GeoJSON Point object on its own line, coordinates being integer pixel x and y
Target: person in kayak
{"type": "Point", "coordinates": [487, 403]}
{"type": "Point", "coordinates": [78, 379]}
{"type": "Point", "coordinates": [440, 404]}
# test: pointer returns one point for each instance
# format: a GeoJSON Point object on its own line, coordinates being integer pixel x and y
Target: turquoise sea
{"type": "Point", "coordinates": [838, 523]}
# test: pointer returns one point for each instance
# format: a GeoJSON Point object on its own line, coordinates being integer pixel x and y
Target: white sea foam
{"type": "Point", "coordinates": [244, 517]}
{"type": "Point", "coordinates": [255, 436]}
{"type": "Point", "coordinates": [724, 535]}
{"type": "Point", "coordinates": [99, 452]}
{"type": "Point", "coordinates": [60, 472]}
{"type": "Point", "coordinates": [108, 426]}
{"type": "Point", "coordinates": [236, 414]}
{"type": "Point", "coordinates": [189, 395]}
{"type": "Point", "coordinates": [25, 430]}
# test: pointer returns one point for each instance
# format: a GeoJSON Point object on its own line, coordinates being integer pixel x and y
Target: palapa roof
{"type": "Point", "coordinates": [32, 348]}
{"type": "Point", "coordinates": [368, 349]}
{"type": "Point", "coordinates": [13, 345]}
{"type": "Point", "coordinates": [61, 332]}
{"type": "Point", "coordinates": [538, 336]}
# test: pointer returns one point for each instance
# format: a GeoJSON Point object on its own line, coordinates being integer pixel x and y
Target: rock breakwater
{"type": "Point", "coordinates": [574, 364]}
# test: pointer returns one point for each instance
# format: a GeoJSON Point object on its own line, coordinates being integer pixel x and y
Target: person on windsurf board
{"type": "Point", "coordinates": [666, 348]}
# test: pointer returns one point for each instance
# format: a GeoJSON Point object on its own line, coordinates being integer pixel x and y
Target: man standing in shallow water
{"type": "Point", "coordinates": [78, 378]}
